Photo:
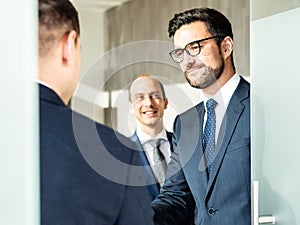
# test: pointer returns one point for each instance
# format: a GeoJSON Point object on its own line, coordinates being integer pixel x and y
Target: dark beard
{"type": "Point", "coordinates": [212, 75]}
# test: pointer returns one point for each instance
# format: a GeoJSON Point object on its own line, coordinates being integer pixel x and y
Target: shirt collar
{"type": "Point", "coordinates": [225, 93]}
{"type": "Point", "coordinates": [143, 137]}
{"type": "Point", "coordinates": [44, 83]}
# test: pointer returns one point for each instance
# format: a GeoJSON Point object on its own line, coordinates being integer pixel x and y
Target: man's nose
{"type": "Point", "coordinates": [148, 100]}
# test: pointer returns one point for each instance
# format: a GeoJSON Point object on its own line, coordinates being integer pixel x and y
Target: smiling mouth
{"type": "Point", "coordinates": [150, 112]}
{"type": "Point", "coordinates": [194, 69]}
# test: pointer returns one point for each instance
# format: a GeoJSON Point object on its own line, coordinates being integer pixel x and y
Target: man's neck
{"type": "Point", "coordinates": [218, 84]}
{"type": "Point", "coordinates": [152, 131]}
{"type": "Point", "coordinates": [51, 83]}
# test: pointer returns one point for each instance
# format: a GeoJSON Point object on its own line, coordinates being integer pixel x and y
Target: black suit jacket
{"type": "Point", "coordinates": [153, 187]}
{"type": "Point", "coordinates": [84, 171]}
{"type": "Point", "coordinates": [224, 198]}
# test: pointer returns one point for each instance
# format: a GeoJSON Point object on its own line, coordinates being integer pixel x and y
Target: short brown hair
{"type": "Point", "coordinates": [56, 18]}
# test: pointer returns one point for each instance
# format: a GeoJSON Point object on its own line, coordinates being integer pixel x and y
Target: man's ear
{"type": "Point", "coordinates": [68, 46]}
{"type": "Point", "coordinates": [166, 103]}
{"type": "Point", "coordinates": [227, 46]}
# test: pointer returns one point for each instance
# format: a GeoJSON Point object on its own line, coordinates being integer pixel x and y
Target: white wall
{"type": "Point", "coordinates": [275, 112]}
{"type": "Point", "coordinates": [92, 47]}
{"type": "Point", "coordinates": [19, 172]}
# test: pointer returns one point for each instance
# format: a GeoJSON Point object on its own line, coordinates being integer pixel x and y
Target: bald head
{"type": "Point", "coordinates": [147, 77]}
{"type": "Point", "coordinates": [148, 101]}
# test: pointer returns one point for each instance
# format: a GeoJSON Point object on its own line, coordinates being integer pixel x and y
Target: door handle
{"type": "Point", "coordinates": [255, 218]}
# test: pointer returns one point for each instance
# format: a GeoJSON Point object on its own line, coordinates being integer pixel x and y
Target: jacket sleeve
{"type": "Point", "coordinates": [175, 203]}
{"type": "Point", "coordinates": [136, 207]}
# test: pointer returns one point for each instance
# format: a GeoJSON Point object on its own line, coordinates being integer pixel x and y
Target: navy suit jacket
{"type": "Point", "coordinates": [153, 187]}
{"type": "Point", "coordinates": [81, 183]}
{"type": "Point", "coordinates": [224, 198]}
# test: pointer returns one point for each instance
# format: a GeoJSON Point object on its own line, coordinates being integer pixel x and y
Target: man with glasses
{"type": "Point", "coordinates": [148, 102]}
{"type": "Point", "coordinates": [209, 172]}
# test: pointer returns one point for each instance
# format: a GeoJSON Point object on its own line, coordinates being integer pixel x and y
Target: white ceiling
{"type": "Point", "coordinates": [97, 4]}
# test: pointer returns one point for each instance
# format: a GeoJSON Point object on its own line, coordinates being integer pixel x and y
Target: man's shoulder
{"type": "Point", "coordinates": [192, 111]}
{"type": "Point", "coordinates": [242, 92]}
{"type": "Point", "coordinates": [188, 120]}
{"type": "Point", "coordinates": [243, 85]}
{"type": "Point", "coordinates": [107, 136]}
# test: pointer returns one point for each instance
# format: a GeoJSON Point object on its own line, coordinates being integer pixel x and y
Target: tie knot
{"type": "Point", "coordinates": [211, 104]}
{"type": "Point", "coordinates": [155, 142]}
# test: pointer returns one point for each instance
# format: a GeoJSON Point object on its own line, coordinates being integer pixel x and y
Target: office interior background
{"type": "Point", "coordinates": [121, 39]}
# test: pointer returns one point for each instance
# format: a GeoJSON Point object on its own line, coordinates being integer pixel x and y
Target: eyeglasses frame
{"type": "Point", "coordinates": [184, 49]}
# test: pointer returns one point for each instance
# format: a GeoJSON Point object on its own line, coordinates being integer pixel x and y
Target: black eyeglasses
{"type": "Point", "coordinates": [191, 49]}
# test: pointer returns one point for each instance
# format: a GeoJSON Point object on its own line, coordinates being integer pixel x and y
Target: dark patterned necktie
{"type": "Point", "coordinates": [209, 133]}
{"type": "Point", "coordinates": [160, 166]}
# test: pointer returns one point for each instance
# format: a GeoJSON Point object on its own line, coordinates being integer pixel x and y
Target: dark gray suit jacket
{"type": "Point", "coordinates": [82, 179]}
{"type": "Point", "coordinates": [224, 198]}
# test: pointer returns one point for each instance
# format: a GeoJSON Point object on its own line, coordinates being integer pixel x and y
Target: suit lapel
{"type": "Point", "coordinates": [147, 173]}
{"type": "Point", "coordinates": [200, 153]}
{"type": "Point", "coordinates": [140, 150]}
{"type": "Point", "coordinates": [231, 118]}
{"type": "Point", "coordinates": [169, 136]}
{"type": "Point", "coordinates": [191, 143]}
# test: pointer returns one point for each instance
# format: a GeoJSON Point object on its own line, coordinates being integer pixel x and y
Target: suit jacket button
{"type": "Point", "coordinates": [211, 211]}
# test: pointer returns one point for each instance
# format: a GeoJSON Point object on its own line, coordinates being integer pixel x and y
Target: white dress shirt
{"type": "Point", "coordinates": [223, 97]}
{"type": "Point", "coordinates": [164, 146]}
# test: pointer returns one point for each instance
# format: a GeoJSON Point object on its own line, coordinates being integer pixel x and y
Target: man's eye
{"type": "Point", "coordinates": [139, 97]}
{"type": "Point", "coordinates": [194, 48]}
{"type": "Point", "coordinates": [156, 96]}
{"type": "Point", "coordinates": [179, 52]}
